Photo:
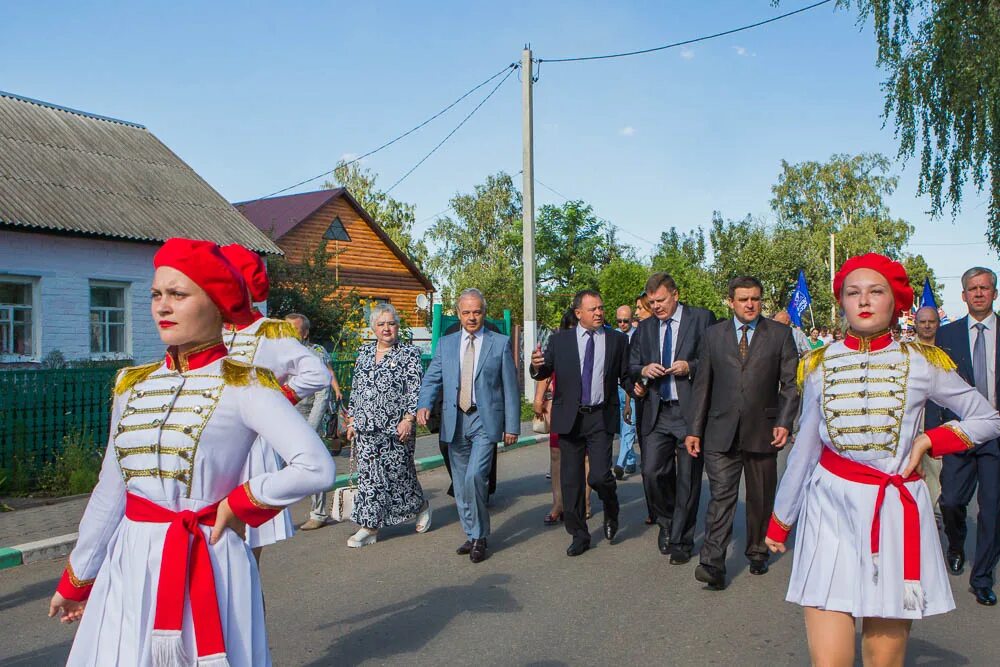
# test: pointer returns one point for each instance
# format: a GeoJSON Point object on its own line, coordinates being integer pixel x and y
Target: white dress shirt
{"type": "Point", "coordinates": [461, 355]}
{"type": "Point", "coordinates": [675, 327]}
{"type": "Point", "coordinates": [990, 338]}
{"type": "Point", "coordinates": [597, 380]}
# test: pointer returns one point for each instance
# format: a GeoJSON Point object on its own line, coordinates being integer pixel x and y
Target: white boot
{"type": "Point", "coordinates": [362, 538]}
{"type": "Point", "coordinates": [424, 518]}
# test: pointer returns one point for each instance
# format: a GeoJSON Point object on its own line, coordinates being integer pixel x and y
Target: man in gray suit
{"type": "Point", "coordinates": [663, 356]}
{"type": "Point", "coordinates": [473, 373]}
{"type": "Point", "coordinates": [744, 400]}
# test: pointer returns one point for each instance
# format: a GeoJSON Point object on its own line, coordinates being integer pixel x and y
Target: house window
{"type": "Point", "coordinates": [107, 318]}
{"type": "Point", "coordinates": [17, 335]}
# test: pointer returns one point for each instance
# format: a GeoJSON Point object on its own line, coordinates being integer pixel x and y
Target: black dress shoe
{"type": "Point", "coordinates": [758, 567]}
{"type": "Point", "coordinates": [985, 596]}
{"type": "Point", "coordinates": [465, 549]}
{"type": "Point", "coordinates": [577, 548]}
{"type": "Point", "coordinates": [663, 541]}
{"type": "Point", "coordinates": [956, 561]}
{"type": "Point", "coordinates": [619, 472]}
{"type": "Point", "coordinates": [711, 576]}
{"type": "Point", "coordinates": [478, 552]}
{"type": "Point", "coordinates": [678, 557]}
{"type": "Point", "coordinates": [610, 529]}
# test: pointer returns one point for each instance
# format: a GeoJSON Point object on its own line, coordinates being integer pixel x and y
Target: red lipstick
{"type": "Point", "coordinates": [864, 315]}
{"type": "Point", "coordinates": [166, 324]}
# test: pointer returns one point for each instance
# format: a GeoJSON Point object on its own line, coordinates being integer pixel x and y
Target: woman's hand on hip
{"type": "Point", "coordinates": [225, 517]}
{"type": "Point", "coordinates": [921, 446]}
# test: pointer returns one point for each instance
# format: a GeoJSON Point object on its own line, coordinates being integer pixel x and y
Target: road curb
{"type": "Point", "coordinates": [60, 546]}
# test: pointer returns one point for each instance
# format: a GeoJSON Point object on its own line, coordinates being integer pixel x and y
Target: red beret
{"type": "Point", "coordinates": [251, 267]}
{"type": "Point", "coordinates": [204, 263]}
{"type": "Point", "coordinates": [893, 272]}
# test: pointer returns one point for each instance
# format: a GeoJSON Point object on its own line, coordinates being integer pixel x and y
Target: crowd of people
{"type": "Point", "coordinates": [206, 451]}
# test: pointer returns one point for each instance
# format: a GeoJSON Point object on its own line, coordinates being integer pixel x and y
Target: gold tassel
{"type": "Point", "coordinates": [277, 329]}
{"type": "Point", "coordinates": [129, 377]}
{"type": "Point", "coordinates": [240, 374]}
{"type": "Point", "coordinates": [808, 364]}
{"type": "Point", "coordinates": [932, 353]}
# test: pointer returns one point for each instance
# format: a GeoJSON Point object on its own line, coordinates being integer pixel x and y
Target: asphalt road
{"type": "Point", "coordinates": [409, 600]}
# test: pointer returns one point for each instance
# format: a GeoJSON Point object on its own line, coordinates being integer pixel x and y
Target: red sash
{"type": "Point", "coordinates": [186, 563]}
{"type": "Point", "coordinates": [862, 474]}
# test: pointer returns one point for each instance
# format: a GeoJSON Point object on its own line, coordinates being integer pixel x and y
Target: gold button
{"type": "Point", "coordinates": [206, 394]}
{"type": "Point", "coordinates": [140, 393]}
{"type": "Point", "coordinates": [187, 429]}
{"type": "Point", "coordinates": [197, 410]}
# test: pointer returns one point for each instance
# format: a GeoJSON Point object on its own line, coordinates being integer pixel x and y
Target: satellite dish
{"type": "Point", "coordinates": [422, 301]}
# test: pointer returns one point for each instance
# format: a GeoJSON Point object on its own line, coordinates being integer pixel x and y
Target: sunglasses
{"type": "Point", "coordinates": [624, 321]}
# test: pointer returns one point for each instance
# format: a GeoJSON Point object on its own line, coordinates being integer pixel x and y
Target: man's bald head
{"type": "Point", "coordinates": [623, 318]}
{"type": "Point", "coordinates": [783, 317]}
{"type": "Point", "coordinates": [926, 322]}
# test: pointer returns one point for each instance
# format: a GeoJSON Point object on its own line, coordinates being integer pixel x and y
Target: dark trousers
{"type": "Point", "coordinates": [588, 435]}
{"type": "Point", "coordinates": [639, 438]}
{"type": "Point", "coordinates": [961, 474]}
{"type": "Point", "coordinates": [671, 478]}
{"type": "Point", "coordinates": [724, 470]}
{"type": "Point", "coordinates": [443, 447]}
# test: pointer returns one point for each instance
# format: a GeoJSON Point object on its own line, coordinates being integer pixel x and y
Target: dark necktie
{"type": "Point", "coordinates": [667, 360]}
{"type": "Point", "coordinates": [587, 372]}
{"type": "Point", "coordinates": [979, 372]}
{"type": "Point", "coordinates": [744, 343]}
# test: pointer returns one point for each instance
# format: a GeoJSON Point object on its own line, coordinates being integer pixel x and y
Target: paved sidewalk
{"type": "Point", "coordinates": [49, 531]}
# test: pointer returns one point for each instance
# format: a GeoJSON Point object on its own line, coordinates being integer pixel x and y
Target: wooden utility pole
{"type": "Point", "coordinates": [833, 271]}
{"type": "Point", "coordinates": [528, 217]}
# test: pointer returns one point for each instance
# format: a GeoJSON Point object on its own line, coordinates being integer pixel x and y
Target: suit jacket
{"type": "Point", "coordinates": [953, 338]}
{"type": "Point", "coordinates": [732, 399]}
{"type": "Point", "coordinates": [645, 349]}
{"type": "Point", "coordinates": [498, 396]}
{"type": "Point", "coordinates": [562, 357]}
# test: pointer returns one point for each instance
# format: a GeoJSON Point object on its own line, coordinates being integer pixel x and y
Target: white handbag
{"type": "Point", "coordinates": [343, 498]}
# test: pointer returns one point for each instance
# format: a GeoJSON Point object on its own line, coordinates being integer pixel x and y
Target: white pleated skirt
{"type": "Point", "coordinates": [832, 567]}
{"type": "Point", "coordinates": [117, 625]}
{"type": "Point", "coordinates": [263, 458]}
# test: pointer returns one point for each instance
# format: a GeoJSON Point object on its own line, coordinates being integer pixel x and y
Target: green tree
{"type": "Point", "coordinates": [942, 59]}
{"type": "Point", "coordinates": [480, 246]}
{"type": "Point", "coordinates": [620, 283]}
{"type": "Point", "coordinates": [394, 216]}
{"type": "Point", "coordinates": [683, 256]}
{"type": "Point", "coordinates": [917, 270]}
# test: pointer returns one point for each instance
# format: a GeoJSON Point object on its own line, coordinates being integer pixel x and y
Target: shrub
{"type": "Point", "coordinates": [75, 469]}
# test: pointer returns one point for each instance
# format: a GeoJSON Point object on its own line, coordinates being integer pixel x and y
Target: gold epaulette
{"type": "Point", "coordinates": [240, 374]}
{"type": "Point", "coordinates": [932, 353]}
{"type": "Point", "coordinates": [808, 364]}
{"type": "Point", "coordinates": [277, 329]}
{"type": "Point", "coordinates": [130, 377]}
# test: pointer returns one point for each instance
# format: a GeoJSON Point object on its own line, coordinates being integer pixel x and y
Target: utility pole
{"type": "Point", "coordinates": [528, 219]}
{"type": "Point", "coordinates": [833, 271]}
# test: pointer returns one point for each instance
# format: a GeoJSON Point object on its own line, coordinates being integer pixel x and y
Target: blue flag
{"type": "Point", "coordinates": [927, 298]}
{"type": "Point", "coordinates": [800, 300]}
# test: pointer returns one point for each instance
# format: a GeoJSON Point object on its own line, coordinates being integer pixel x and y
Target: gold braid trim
{"type": "Point", "coordinates": [73, 579]}
{"type": "Point", "coordinates": [809, 363]}
{"type": "Point", "coordinates": [277, 329]}
{"type": "Point", "coordinates": [129, 377]}
{"type": "Point", "coordinates": [960, 434]}
{"type": "Point", "coordinates": [781, 524]}
{"type": "Point", "coordinates": [256, 502]}
{"type": "Point", "coordinates": [932, 353]}
{"type": "Point", "coordinates": [240, 374]}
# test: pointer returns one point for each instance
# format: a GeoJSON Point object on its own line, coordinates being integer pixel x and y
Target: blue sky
{"type": "Point", "coordinates": [256, 96]}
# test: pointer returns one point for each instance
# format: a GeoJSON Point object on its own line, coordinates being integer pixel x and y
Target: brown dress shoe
{"type": "Point", "coordinates": [313, 524]}
{"type": "Point", "coordinates": [465, 549]}
{"type": "Point", "coordinates": [478, 552]}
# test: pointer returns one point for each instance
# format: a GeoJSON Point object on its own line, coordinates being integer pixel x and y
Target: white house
{"type": "Point", "coordinates": [85, 201]}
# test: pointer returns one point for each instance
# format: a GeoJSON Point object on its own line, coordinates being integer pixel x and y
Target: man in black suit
{"type": "Point", "coordinates": [973, 343]}
{"type": "Point", "coordinates": [745, 400]}
{"type": "Point", "coordinates": [664, 356]}
{"type": "Point", "coordinates": [589, 362]}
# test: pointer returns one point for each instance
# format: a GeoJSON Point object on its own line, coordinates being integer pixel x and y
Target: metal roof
{"type": "Point", "coordinates": [63, 170]}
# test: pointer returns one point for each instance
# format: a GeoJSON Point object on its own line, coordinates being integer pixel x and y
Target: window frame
{"type": "Point", "coordinates": [34, 311]}
{"type": "Point", "coordinates": [126, 352]}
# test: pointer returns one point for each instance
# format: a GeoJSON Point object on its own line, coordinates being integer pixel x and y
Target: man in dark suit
{"type": "Point", "coordinates": [973, 344]}
{"type": "Point", "coordinates": [589, 362]}
{"type": "Point", "coordinates": [664, 356]}
{"type": "Point", "coordinates": [745, 400]}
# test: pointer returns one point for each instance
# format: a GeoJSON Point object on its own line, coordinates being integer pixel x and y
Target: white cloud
{"type": "Point", "coordinates": [627, 131]}
{"type": "Point", "coordinates": [743, 52]}
{"type": "Point", "coordinates": [687, 54]}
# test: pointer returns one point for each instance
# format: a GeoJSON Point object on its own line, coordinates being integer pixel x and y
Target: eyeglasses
{"type": "Point", "coordinates": [624, 321]}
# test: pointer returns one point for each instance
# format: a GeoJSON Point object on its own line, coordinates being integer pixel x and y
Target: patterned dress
{"type": "Point", "coordinates": [381, 393]}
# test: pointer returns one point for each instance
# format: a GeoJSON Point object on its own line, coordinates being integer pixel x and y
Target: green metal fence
{"type": "Point", "coordinates": [39, 407]}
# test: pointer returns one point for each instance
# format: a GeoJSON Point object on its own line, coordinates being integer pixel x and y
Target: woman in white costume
{"type": "Point", "coordinates": [274, 345]}
{"type": "Point", "coordinates": [160, 574]}
{"type": "Point", "coordinates": [867, 545]}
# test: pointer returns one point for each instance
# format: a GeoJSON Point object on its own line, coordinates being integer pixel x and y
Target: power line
{"type": "Point", "coordinates": [947, 244]}
{"type": "Point", "coordinates": [687, 41]}
{"type": "Point", "coordinates": [510, 67]}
